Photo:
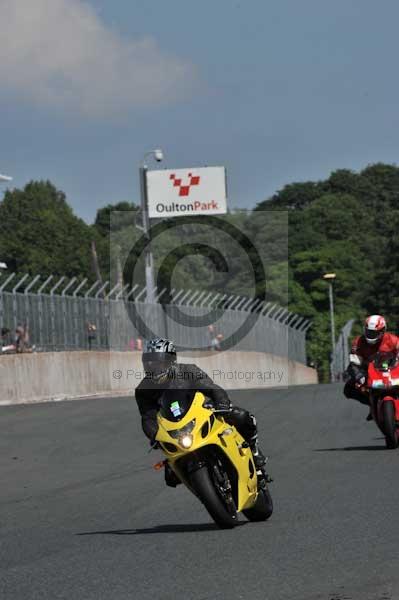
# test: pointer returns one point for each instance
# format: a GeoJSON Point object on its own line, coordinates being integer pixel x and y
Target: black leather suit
{"type": "Point", "coordinates": [187, 379]}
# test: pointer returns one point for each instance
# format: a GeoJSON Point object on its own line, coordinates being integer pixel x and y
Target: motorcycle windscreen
{"type": "Point", "coordinates": [385, 360]}
{"type": "Point", "coordinates": [175, 404]}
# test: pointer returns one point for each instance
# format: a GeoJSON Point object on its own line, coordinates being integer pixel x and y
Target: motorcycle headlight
{"type": "Point", "coordinates": [186, 441]}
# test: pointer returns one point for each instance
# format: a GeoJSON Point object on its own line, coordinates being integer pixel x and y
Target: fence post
{"type": "Point", "coordinates": [76, 303]}
{"type": "Point", "coordinates": [199, 298]}
{"type": "Point", "coordinates": [134, 288]}
{"type": "Point", "coordinates": [122, 291]}
{"type": "Point", "coordinates": [64, 309]}
{"type": "Point", "coordinates": [214, 298]}
{"type": "Point", "coordinates": [137, 298]}
{"type": "Point", "coordinates": [340, 358]}
{"type": "Point", "coordinates": [14, 299]}
{"type": "Point", "coordinates": [29, 315]}
{"type": "Point", "coordinates": [191, 298]}
{"type": "Point", "coordinates": [53, 330]}
{"type": "Point", "coordinates": [174, 298]}
{"type": "Point", "coordinates": [242, 303]}
{"type": "Point", "coordinates": [184, 297]}
{"type": "Point", "coordinates": [206, 298]}
{"type": "Point", "coordinates": [40, 308]}
{"type": "Point", "coordinates": [2, 287]}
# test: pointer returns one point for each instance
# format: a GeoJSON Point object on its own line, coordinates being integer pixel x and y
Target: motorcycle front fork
{"type": "Point", "coordinates": [263, 477]}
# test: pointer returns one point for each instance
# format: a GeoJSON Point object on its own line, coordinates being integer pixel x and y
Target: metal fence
{"type": "Point", "coordinates": [340, 356]}
{"type": "Point", "coordinates": [57, 314]}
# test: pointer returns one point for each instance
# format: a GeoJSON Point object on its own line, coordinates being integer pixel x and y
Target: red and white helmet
{"type": "Point", "coordinates": [374, 328]}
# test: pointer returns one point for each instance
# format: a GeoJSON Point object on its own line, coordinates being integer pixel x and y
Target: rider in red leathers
{"type": "Point", "coordinates": [364, 348]}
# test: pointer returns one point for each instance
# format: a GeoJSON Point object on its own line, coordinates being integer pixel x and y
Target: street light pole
{"type": "Point", "coordinates": [330, 277]}
{"type": "Point", "coordinates": [4, 178]}
{"type": "Point", "coordinates": [148, 258]}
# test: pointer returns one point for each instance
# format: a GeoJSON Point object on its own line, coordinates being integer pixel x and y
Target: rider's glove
{"type": "Point", "coordinates": [360, 379]}
{"type": "Point", "coordinates": [208, 404]}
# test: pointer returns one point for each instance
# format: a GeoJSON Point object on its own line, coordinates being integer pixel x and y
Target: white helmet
{"type": "Point", "coordinates": [374, 328]}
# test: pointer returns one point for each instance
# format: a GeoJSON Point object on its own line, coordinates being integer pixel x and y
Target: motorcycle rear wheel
{"type": "Point", "coordinates": [263, 507]}
{"type": "Point", "coordinates": [204, 487]}
{"type": "Point", "coordinates": [389, 420]}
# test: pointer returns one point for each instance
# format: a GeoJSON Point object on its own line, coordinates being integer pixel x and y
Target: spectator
{"type": "Point", "coordinates": [91, 334]}
{"type": "Point", "coordinates": [19, 339]}
{"type": "Point", "coordinates": [5, 335]}
{"type": "Point", "coordinates": [215, 338]}
{"type": "Point", "coordinates": [217, 342]}
{"type": "Point", "coordinates": [136, 344]}
{"type": "Point", "coordinates": [6, 341]}
{"type": "Point", "coordinates": [22, 339]}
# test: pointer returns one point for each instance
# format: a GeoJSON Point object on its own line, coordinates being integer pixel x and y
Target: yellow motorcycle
{"type": "Point", "coordinates": [212, 459]}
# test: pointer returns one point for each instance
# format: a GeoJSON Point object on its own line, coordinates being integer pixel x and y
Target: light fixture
{"type": "Point", "coordinates": [186, 441]}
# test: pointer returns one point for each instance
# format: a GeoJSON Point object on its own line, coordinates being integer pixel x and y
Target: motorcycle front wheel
{"type": "Point", "coordinates": [205, 489]}
{"type": "Point", "coordinates": [263, 507]}
{"type": "Point", "coordinates": [389, 420]}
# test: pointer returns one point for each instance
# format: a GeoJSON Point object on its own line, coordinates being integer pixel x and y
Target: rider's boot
{"type": "Point", "coordinates": [369, 416]}
{"type": "Point", "coordinates": [259, 457]}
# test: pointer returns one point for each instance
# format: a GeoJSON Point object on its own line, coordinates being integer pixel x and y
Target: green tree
{"type": "Point", "coordinates": [293, 196]}
{"type": "Point", "coordinates": [40, 234]}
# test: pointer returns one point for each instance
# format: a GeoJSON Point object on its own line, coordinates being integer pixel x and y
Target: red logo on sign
{"type": "Point", "coordinates": [184, 189]}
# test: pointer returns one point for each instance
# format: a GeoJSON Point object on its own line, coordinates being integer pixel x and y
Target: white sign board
{"type": "Point", "coordinates": [178, 192]}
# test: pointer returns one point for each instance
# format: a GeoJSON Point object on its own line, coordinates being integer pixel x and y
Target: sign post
{"type": "Point", "coordinates": [149, 266]}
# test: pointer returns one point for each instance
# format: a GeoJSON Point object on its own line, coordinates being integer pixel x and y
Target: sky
{"type": "Point", "coordinates": [276, 90]}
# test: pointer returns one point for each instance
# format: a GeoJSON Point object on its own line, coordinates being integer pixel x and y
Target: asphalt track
{"type": "Point", "coordinates": [83, 516]}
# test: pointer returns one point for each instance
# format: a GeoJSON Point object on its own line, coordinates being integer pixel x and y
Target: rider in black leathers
{"type": "Point", "coordinates": [164, 374]}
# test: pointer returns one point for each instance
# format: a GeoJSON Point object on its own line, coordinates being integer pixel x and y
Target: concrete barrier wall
{"type": "Point", "coordinates": [46, 376]}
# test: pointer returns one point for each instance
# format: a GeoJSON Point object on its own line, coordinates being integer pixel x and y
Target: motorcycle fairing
{"type": "Point", "coordinates": [209, 434]}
